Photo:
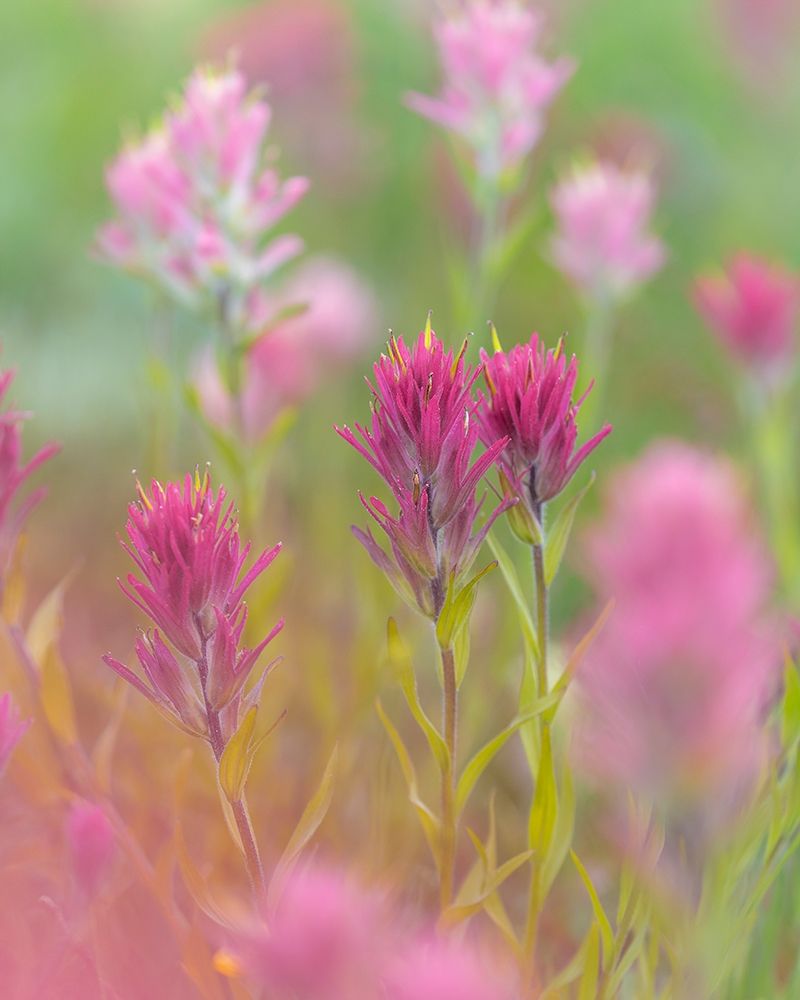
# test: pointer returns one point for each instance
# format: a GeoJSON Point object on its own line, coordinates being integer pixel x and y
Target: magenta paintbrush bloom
{"type": "Point", "coordinates": [185, 543]}
{"type": "Point", "coordinates": [497, 86]}
{"type": "Point", "coordinates": [12, 729]}
{"type": "Point", "coordinates": [676, 684]}
{"type": "Point", "coordinates": [603, 243]}
{"type": "Point", "coordinates": [753, 307]}
{"type": "Point", "coordinates": [530, 404]}
{"type": "Point", "coordinates": [13, 474]}
{"type": "Point", "coordinates": [196, 199]}
{"type": "Point", "coordinates": [421, 442]}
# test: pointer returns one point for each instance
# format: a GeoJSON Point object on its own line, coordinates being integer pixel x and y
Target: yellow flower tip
{"type": "Point", "coordinates": [496, 345]}
{"type": "Point", "coordinates": [227, 964]}
{"type": "Point", "coordinates": [143, 497]}
{"type": "Point", "coordinates": [428, 330]}
{"type": "Point", "coordinates": [560, 346]}
{"type": "Point", "coordinates": [459, 357]}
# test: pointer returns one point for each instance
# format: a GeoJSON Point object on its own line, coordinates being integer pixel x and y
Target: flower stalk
{"type": "Point", "coordinates": [449, 819]}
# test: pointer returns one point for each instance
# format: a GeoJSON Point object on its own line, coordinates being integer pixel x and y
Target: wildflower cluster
{"type": "Point", "coordinates": [496, 85]}
{"type": "Point", "coordinates": [196, 199]}
{"type": "Point", "coordinates": [753, 308]}
{"type": "Point", "coordinates": [602, 242]}
{"type": "Point", "coordinates": [185, 544]}
{"type": "Point", "coordinates": [529, 401]}
{"type": "Point", "coordinates": [678, 681]}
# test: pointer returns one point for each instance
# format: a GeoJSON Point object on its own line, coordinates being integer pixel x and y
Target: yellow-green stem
{"type": "Point", "coordinates": [542, 628]}
{"type": "Point", "coordinates": [450, 726]}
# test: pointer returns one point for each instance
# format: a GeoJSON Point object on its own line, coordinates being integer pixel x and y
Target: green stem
{"type": "Point", "coordinates": [488, 205]}
{"type": "Point", "coordinates": [449, 822]}
{"type": "Point", "coordinates": [542, 628]}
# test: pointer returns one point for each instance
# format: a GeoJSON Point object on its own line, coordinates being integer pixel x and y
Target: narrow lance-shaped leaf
{"type": "Point", "coordinates": [481, 760]}
{"type": "Point", "coordinates": [457, 608]}
{"type": "Point", "coordinates": [578, 653]}
{"type": "Point", "coordinates": [236, 758]}
{"type": "Point", "coordinates": [603, 923]}
{"type": "Point", "coordinates": [544, 808]}
{"type": "Point", "coordinates": [515, 589]}
{"type": "Point", "coordinates": [591, 968]}
{"type": "Point", "coordinates": [559, 532]}
{"type": "Point", "coordinates": [308, 824]}
{"type": "Point", "coordinates": [400, 658]}
{"type": "Point", "coordinates": [429, 821]}
{"type": "Point", "coordinates": [790, 713]}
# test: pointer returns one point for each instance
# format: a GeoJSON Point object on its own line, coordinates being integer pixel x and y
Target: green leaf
{"type": "Point", "coordinates": [400, 659]}
{"type": "Point", "coordinates": [562, 834]}
{"type": "Point", "coordinates": [578, 653]}
{"type": "Point", "coordinates": [571, 970]}
{"type": "Point", "coordinates": [457, 608]}
{"type": "Point", "coordinates": [515, 589]}
{"type": "Point", "coordinates": [234, 765]}
{"type": "Point", "coordinates": [790, 711]}
{"type": "Point", "coordinates": [544, 809]}
{"type": "Point", "coordinates": [458, 912]}
{"type": "Point", "coordinates": [558, 535]}
{"type": "Point", "coordinates": [591, 968]}
{"type": "Point", "coordinates": [308, 824]}
{"type": "Point", "coordinates": [603, 923]}
{"type": "Point", "coordinates": [429, 821]}
{"type": "Point", "coordinates": [481, 760]}
{"type": "Point", "coordinates": [461, 649]}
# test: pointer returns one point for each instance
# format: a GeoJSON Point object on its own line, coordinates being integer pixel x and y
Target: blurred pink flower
{"type": "Point", "coordinates": [434, 969]}
{"type": "Point", "coordinates": [602, 242]}
{"type": "Point", "coordinates": [327, 940]}
{"type": "Point", "coordinates": [196, 199]}
{"type": "Point", "coordinates": [675, 686]}
{"type": "Point", "coordinates": [12, 729]}
{"type": "Point", "coordinates": [92, 846]}
{"type": "Point", "coordinates": [421, 443]}
{"type": "Point", "coordinates": [296, 353]}
{"type": "Point", "coordinates": [753, 307]}
{"type": "Point", "coordinates": [531, 405]}
{"type": "Point", "coordinates": [496, 85]}
{"type": "Point", "coordinates": [185, 543]}
{"type": "Point", "coordinates": [13, 474]}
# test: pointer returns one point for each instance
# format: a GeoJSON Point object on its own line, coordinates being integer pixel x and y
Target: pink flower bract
{"type": "Point", "coordinates": [496, 85]}
{"type": "Point", "coordinates": [602, 242]}
{"type": "Point", "coordinates": [530, 404]}
{"type": "Point", "coordinates": [753, 307]}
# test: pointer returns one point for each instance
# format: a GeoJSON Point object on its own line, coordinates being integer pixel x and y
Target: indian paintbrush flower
{"type": "Point", "coordinates": [421, 441]}
{"type": "Point", "coordinates": [529, 403]}
{"type": "Point", "coordinates": [196, 199]}
{"type": "Point", "coordinates": [603, 243]}
{"type": "Point", "coordinates": [677, 682]}
{"type": "Point", "coordinates": [193, 579]}
{"type": "Point", "coordinates": [753, 308]}
{"type": "Point", "coordinates": [496, 85]}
